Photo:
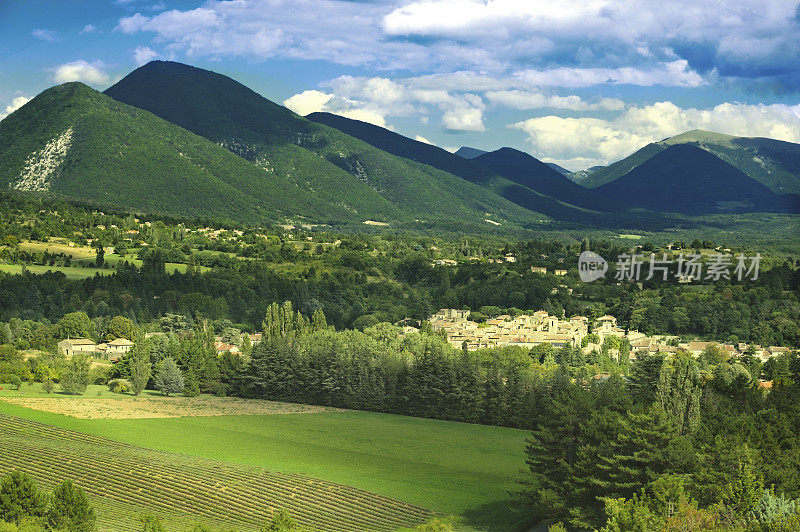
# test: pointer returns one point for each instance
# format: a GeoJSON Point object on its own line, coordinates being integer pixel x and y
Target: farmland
{"type": "Point", "coordinates": [451, 468]}
{"type": "Point", "coordinates": [120, 476]}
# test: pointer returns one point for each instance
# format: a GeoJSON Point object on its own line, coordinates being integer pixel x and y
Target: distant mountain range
{"type": "Point", "coordinates": [176, 139]}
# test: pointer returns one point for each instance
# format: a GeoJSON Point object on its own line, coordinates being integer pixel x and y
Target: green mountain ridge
{"type": "Point", "coordinates": [73, 141]}
{"type": "Point", "coordinates": [687, 179]}
{"type": "Point", "coordinates": [773, 163]}
{"type": "Point", "coordinates": [327, 161]}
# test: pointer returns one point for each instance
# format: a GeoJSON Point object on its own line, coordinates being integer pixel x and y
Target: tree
{"type": "Point", "coordinates": [20, 498]}
{"type": "Point", "coordinates": [140, 367]}
{"type": "Point", "coordinates": [75, 378]}
{"type": "Point", "coordinates": [169, 379]}
{"type": "Point", "coordinates": [70, 509]}
{"type": "Point", "coordinates": [120, 327]}
{"type": "Point", "coordinates": [99, 259]}
{"type": "Point", "coordinates": [75, 325]}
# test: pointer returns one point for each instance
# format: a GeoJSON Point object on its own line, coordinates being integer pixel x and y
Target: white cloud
{"type": "Point", "coordinates": [566, 43]}
{"type": "Point", "coordinates": [89, 28]}
{"type": "Point", "coordinates": [420, 138]}
{"type": "Point", "coordinates": [81, 70]}
{"type": "Point", "coordinates": [603, 141]}
{"type": "Point", "coordinates": [132, 24]}
{"type": "Point", "coordinates": [306, 102]}
{"type": "Point", "coordinates": [519, 99]}
{"type": "Point", "coordinates": [464, 119]}
{"type": "Point", "coordinates": [44, 35]}
{"type": "Point", "coordinates": [143, 55]}
{"type": "Point", "coordinates": [670, 74]}
{"type": "Point", "coordinates": [366, 115]}
{"type": "Point", "coordinates": [15, 104]}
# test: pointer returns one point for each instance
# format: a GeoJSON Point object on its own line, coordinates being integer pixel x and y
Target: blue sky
{"type": "Point", "coordinates": [574, 82]}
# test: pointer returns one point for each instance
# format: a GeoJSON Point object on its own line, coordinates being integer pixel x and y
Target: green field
{"type": "Point", "coordinates": [452, 468]}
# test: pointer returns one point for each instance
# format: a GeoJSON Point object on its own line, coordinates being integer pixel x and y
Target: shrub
{"type": "Point", "coordinates": [16, 382]}
{"type": "Point", "coordinates": [119, 385]}
{"type": "Point", "coordinates": [48, 385]}
{"type": "Point", "coordinates": [282, 522]}
{"type": "Point", "coordinates": [151, 523]}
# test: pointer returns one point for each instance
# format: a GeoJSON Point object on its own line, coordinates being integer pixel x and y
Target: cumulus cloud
{"type": "Point", "coordinates": [373, 99]}
{"type": "Point", "coordinates": [420, 138]}
{"type": "Point", "coordinates": [143, 55]}
{"type": "Point", "coordinates": [15, 104]}
{"type": "Point", "coordinates": [592, 141]}
{"type": "Point", "coordinates": [81, 70]}
{"type": "Point", "coordinates": [307, 102]}
{"type": "Point", "coordinates": [464, 119]}
{"type": "Point", "coordinates": [45, 35]}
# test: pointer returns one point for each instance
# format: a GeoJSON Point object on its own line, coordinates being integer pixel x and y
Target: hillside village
{"type": "Point", "coordinates": [530, 330]}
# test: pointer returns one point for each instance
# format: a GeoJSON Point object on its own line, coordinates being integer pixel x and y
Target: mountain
{"type": "Point", "coordinates": [73, 141]}
{"type": "Point", "coordinates": [773, 163]}
{"type": "Point", "coordinates": [469, 153]}
{"type": "Point", "coordinates": [369, 182]}
{"type": "Point", "coordinates": [560, 169]}
{"type": "Point", "coordinates": [686, 179]}
{"type": "Point", "coordinates": [530, 172]}
{"type": "Point", "coordinates": [522, 192]}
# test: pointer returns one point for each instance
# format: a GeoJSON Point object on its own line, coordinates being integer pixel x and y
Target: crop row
{"type": "Point", "coordinates": [125, 475]}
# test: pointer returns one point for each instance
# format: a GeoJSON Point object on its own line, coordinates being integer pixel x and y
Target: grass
{"type": "Point", "coordinates": [72, 272]}
{"type": "Point", "coordinates": [452, 468]}
{"type": "Point", "coordinates": [123, 481]}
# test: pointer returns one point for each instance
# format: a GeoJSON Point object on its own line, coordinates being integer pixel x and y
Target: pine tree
{"type": "Point", "coordinates": [169, 378]}
{"type": "Point", "coordinates": [70, 509]}
{"type": "Point", "coordinates": [20, 498]}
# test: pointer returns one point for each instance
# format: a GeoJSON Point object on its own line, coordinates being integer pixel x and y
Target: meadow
{"type": "Point", "coordinates": [450, 468]}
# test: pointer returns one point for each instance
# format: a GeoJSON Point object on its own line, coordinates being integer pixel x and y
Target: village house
{"type": "Point", "coordinates": [72, 346]}
{"type": "Point", "coordinates": [560, 272]}
{"type": "Point", "coordinates": [538, 269]}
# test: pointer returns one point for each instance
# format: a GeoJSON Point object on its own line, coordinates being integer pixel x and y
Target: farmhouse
{"type": "Point", "coordinates": [71, 346]}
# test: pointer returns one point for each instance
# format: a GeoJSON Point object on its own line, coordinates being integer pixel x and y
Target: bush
{"type": "Point", "coordinates": [151, 523]}
{"type": "Point", "coordinates": [48, 385]}
{"type": "Point", "coordinates": [16, 382]}
{"type": "Point", "coordinates": [70, 509]}
{"type": "Point", "coordinates": [119, 385]}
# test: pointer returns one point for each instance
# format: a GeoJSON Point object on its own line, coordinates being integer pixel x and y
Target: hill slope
{"type": "Point", "coordinates": [773, 163]}
{"type": "Point", "coordinates": [686, 179]}
{"type": "Point", "coordinates": [532, 173]}
{"type": "Point", "coordinates": [324, 159]}
{"type": "Point", "coordinates": [469, 169]}
{"type": "Point", "coordinates": [74, 141]}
